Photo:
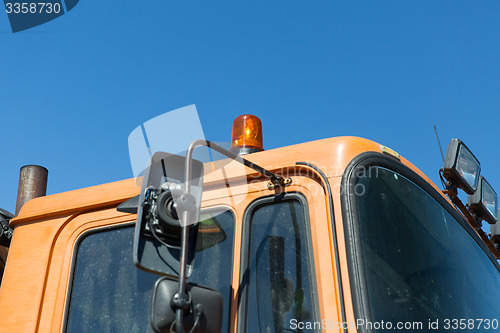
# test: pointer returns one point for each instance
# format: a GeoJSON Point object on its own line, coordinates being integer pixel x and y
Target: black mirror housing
{"type": "Point", "coordinates": [204, 312]}
{"type": "Point", "coordinates": [157, 241]}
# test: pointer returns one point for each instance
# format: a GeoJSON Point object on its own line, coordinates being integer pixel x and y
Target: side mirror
{"type": "Point", "coordinates": [484, 202]}
{"type": "Point", "coordinates": [5, 230]}
{"type": "Point", "coordinates": [203, 313]}
{"type": "Point", "coordinates": [157, 243]}
{"type": "Point", "coordinates": [461, 167]}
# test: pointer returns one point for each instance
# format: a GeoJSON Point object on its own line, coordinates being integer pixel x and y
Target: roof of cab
{"type": "Point", "coordinates": [331, 155]}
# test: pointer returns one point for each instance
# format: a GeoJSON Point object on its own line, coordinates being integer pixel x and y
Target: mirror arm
{"type": "Point", "coordinates": [181, 300]}
{"type": "Point", "coordinates": [274, 178]}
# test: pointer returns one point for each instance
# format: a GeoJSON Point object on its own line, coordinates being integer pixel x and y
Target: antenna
{"type": "Point", "coordinates": [439, 143]}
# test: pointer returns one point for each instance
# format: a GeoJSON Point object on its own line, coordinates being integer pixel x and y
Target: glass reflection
{"type": "Point", "coordinates": [468, 167]}
{"type": "Point", "coordinates": [489, 198]}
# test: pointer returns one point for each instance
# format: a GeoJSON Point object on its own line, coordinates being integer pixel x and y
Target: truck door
{"type": "Point", "coordinates": [286, 262]}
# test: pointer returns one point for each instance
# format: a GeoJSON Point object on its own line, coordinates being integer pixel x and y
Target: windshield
{"type": "Point", "coordinates": [423, 271]}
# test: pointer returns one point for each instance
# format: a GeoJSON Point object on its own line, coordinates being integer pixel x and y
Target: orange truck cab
{"type": "Point", "coordinates": [359, 240]}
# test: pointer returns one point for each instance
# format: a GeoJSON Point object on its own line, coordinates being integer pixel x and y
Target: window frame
{"type": "Point", "coordinates": [245, 252]}
{"type": "Point", "coordinates": [350, 215]}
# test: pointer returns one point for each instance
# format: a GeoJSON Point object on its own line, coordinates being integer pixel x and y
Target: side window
{"type": "Point", "coordinates": [278, 276]}
{"type": "Point", "coordinates": [109, 294]}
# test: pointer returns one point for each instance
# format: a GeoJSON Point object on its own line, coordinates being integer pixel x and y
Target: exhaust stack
{"type": "Point", "coordinates": [32, 184]}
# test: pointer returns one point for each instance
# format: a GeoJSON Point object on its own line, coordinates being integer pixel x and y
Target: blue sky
{"type": "Point", "coordinates": [73, 89]}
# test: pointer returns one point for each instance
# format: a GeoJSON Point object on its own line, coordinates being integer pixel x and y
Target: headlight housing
{"type": "Point", "coordinates": [461, 167]}
{"type": "Point", "coordinates": [484, 202]}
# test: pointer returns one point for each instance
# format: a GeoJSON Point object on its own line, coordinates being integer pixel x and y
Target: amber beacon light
{"type": "Point", "coordinates": [247, 135]}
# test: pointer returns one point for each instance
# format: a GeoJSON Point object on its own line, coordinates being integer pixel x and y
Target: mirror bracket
{"type": "Point", "coordinates": [180, 301]}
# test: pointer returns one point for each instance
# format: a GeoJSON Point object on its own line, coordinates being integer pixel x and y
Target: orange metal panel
{"type": "Point", "coordinates": [25, 275]}
{"type": "Point", "coordinates": [66, 203]}
{"type": "Point", "coordinates": [59, 272]}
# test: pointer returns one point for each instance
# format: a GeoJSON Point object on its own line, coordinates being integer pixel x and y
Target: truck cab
{"type": "Point", "coordinates": [360, 240]}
